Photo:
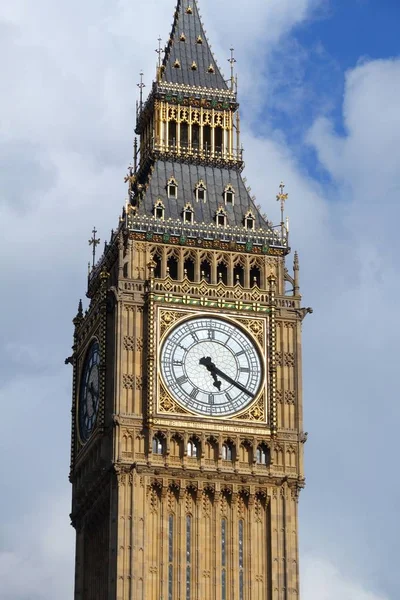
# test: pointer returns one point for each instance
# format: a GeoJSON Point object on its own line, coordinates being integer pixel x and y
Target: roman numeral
{"type": "Point", "coordinates": [177, 363]}
{"type": "Point", "coordinates": [195, 336]}
{"type": "Point", "coordinates": [194, 393]}
{"type": "Point", "coordinates": [244, 369]}
{"type": "Point", "coordinates": [181, 379]}
{"type": "Point", "coordinates": [211, 399]}
{"type": "Point", "coordinates": [228, 397]}
{"type": "Point", "coordinates": [211, 334]}
{"type": "Point", "coordinates": [240, 353]}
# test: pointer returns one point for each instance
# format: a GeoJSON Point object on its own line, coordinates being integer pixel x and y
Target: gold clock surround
{"type": "Point", "coordinates": [255, 328]}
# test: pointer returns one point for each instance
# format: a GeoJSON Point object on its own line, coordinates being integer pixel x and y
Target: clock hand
{"type": "Point", "coordinates": [232, 381]}
{"type": "Point", "coordinates": [207, 362]}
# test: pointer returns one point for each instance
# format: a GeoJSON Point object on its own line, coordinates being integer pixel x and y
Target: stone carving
{"type": "Point", "coordinates": [288, 359]}
{"type": "Point", "coordinates": [129, 342]}
{"type": "Point", "coordinates": [256, 412]}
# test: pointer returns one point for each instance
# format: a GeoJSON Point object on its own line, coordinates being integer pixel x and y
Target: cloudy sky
{"type": "Point", "coordinates": [319, 89]}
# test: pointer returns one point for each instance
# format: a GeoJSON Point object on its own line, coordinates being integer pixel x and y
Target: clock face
{"type": "Point", "coordinates": [89, 392]}
{"type": "Point", "coordinates": [211, 366]}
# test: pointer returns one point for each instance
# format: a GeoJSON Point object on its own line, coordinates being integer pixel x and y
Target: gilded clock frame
{"type": "Point", "coordinates": [82, 361]}
{"type": "Point", "coordinates": [254, 327]}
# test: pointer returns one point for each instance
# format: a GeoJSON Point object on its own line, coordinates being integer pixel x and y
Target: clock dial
{"type": "Point", "coordinates": [211, 366]}
{"type": "Point", "coordinates": [89, 392]}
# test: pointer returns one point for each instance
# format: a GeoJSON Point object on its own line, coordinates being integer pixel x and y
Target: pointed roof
{"type": "Point", "coordinates": [188, 59]}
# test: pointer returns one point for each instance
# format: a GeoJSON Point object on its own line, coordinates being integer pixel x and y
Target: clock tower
{"type": "Point", "coordinates": [187, 429]}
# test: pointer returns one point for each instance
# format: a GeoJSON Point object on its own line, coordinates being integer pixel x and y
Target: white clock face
{"type": "Point", "coordinates": [211, 366]}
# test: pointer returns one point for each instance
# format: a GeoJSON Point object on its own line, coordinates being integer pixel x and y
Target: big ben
{"type": "Point", "coordinates": [187, 429]}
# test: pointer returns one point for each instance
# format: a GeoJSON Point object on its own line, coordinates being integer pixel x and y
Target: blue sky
{"type": "Point", "coordinates": [319, 83]}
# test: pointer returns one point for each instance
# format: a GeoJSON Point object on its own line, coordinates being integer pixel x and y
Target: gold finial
{"type": "Point", "coordinates": [94, 242]}
{"type": "Point", "coordinates": [177, 64]}
{"type": "Point", "coordinates": [211, 69]}
{"type": "Point", "coordinates": [189, 10]}
{"type": "Point", "coordinates": [199, 39]}
{"type": "Point", "coordinates": [194, 66]}
{"type": "Point", "coordinates": [281, 197]}
{"type": "Point", "coordinates": [182, 37]}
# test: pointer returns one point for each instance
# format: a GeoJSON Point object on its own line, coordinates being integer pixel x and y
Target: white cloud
{"type": "Point", "coordinates": [323, 581]}
{"type": "Point", "coordinates": [67, 104]}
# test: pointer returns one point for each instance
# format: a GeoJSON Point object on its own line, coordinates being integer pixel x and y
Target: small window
{"type": "Point", "coordinates": [192, 449]}
{"type": "Point", "coordinates": [201, 192]}
{"type": "Point", "coordinates": [227, 452]}
{"type": "Point", "coordinates": [262, 455]}
{"type": "Point", "coordinates": [249, 221]}
{"type": "Point", "coordinates": [188, 214]}
{"type": "Point", "coordinates": [220, 218]}
{"type": "Point", "coordinates": [158, 446]}
{"type": "Point", "coordinates": [229, 195]}
{"type": "Point", "coordinates": [172, 188]}
{"type": "Point", "coordinates": [159, 210]}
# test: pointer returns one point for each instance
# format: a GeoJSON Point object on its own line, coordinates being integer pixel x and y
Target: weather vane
{"type": "Point", "coordinates": [141, 85]}
{"type": "Point", "coordinates": [282, 199]}
{"type": "Point", "coordinates": [94, 242]}
{"type": "Point", "coordinates": [232, 60]}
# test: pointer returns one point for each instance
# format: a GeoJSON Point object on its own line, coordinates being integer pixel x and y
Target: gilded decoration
{"type": "Point", "coordinates": [255, 327]}
{"type": "Point", "coordinates": [129, 342]}
{"type": "Point", "coordinates": [168, 318]}
{"type": "Point", "coordinates": [255, 413]}
{"type": "Point", "coordinates": [167, 404]}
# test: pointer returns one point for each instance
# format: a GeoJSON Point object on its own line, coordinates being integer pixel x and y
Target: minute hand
{"type": "Point", "coordinates": [232, 381]}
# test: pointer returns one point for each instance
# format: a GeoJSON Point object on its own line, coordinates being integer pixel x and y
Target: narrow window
{"type": "Point", "coordinates": [255, 277]}
{"type": "Point", "coordinates": [172, 188]}
{"type": "Point", "coordinates": [172, 133]}
{"type": "Point", "coordinates": [192, 449]}
{"type": "Point", "coordinates": [221, 220]}
{"type": "Point", "coordinates": [218, 139]}
{"type": "Point", "coordinates": [201, 194]}
{"type": "Point", "coordinates": [207, 138]}
{"type": "Point", "coordinates": [170, 556]}
{"type": "Point", "coordinates": [172, 267]}
{"type": "Point", "coordinates": [157, 445]}
{"type": "Point", "coordinates": [227, 452]}
{"type": "Point", "coordinates": [241, 560]}
{"type": "Point", "coordinates": [184, 135]}
{"type": "Point", "coordinates": [195, 136]}
{"type": "Point", "coordinates": [229, 195]}
{"type": "Point", "coordinates": [223, 559]}
{"type": "Point", "coordinates": [262, 456]}
{"type": "Point", "coordinates": [188, 556]}
{"type": "Point", "coordinates": [188, 215]}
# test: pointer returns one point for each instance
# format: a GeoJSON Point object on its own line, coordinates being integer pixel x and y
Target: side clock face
{"type": "Point", "coordinates": [211, 367]}
{"type": "Point", "coordinates": [89, 392]}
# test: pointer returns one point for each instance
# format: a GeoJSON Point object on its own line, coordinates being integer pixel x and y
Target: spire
{"type": "Point", "coordinates": [188, 59]}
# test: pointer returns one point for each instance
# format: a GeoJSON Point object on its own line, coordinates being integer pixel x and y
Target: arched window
{"type": "Point", "coordinates": [159, 210]}
{"type": "Point", "coordinates": [158, 445]}
{"type": "Point", "coordinates": [227, 451]}
{"type": "Point", "coordinates": [184, 135]}
{"type": "Point", "coordinates": [172, 267]}
{"type": "Point", "coordinates": [207, 138]}
{"type": "Point", "coordinates": [188, 269]}
{"type": "Point", "coordinates": [192, 448]}
{"type": "Point", "coordinates": [157, 268]}
{"type": "Point", "coordinates": [255, 277]}
{"type": "Point", "coordinates": [188, 214]}
{"type": "Point", "coordinates": [229, 195]}
{"type": "Point", "coordinates": [220, 217]}
{"type": "Point", "coordinates": [262, 455]}
{"type": "Point", "coordinates": [172, 188]}
{"type": "Point", "coordinates": [205, 270]}
{"type": "Point", "coordinates": [219, 136]}
{"type": "Point", "coordinates": [249, 221]}
{"type": "Point", "coordinates": [195, 136]}
{"type": "Point", "coordinates": [172, 129]}
{"type": "Point", "coordinates": [201, 192]}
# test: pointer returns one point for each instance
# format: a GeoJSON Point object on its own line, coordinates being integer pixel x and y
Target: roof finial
{"type": "Point", "coordinates": [159, 51]}
{"type": "Point", "coordinates": [94, 242]}
{"type": "Point", "coordinates": [232, 60]}
{"type": "Point", "coordinates": [281, 197]}
{"type": "Point", "coordinates": [141, 85]}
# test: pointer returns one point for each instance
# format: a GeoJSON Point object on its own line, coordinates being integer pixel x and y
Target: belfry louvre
{"type": "Point", "coordinates": [187, 429]}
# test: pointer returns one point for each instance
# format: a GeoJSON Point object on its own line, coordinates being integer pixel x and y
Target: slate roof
{"type": "Point", "coordinates": [189, 51]}
{"type": "Point", "coordinates": [187, 176]}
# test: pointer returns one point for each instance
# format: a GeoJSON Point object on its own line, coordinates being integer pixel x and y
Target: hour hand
{"type": "Point", "coordinates": [207, 362]}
